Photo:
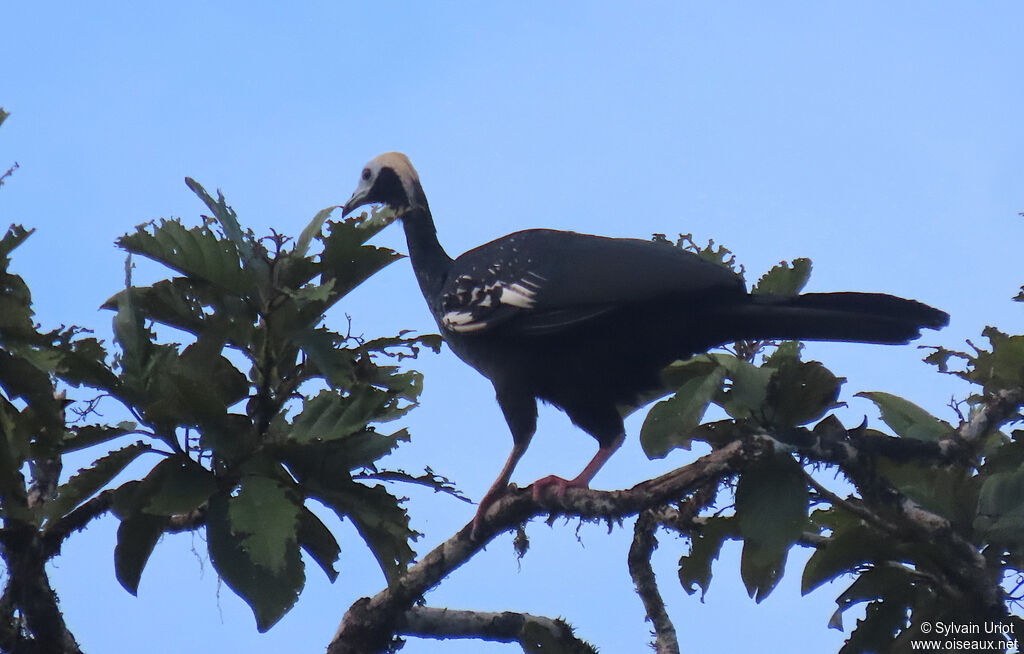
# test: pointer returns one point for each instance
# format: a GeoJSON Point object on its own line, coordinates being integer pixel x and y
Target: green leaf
{"type": "Point", "coordinates": [670, 422]}
{"type": "Point", "coordinates": [193, 306]}
{"type": "Point", "coordinates": [197, 253]}
{"type": "Point", "coordinates": [323, 350]}
{"type": "Point", "coordinates": [378, 517]}
{"type": "Point", "coordinates": [225, 215]}
{"type": "Point", "coordinates": [705, 544]}
{"type": "Point", "coordinates": [348, 262]}
{"type": "Point", "coordinates": [1003, 367]}
{"type": "Point", "coordinates": [177, 486]}
{"type": "Point", "coordinates": [88, 435]}
{"type": "Point", "coordinates": [267, 514]}
{"type": "Point", "coordinates": [948, 491]}
{"type": "Point", "coordinates": [322, 461]}
{"type": "Point", "coordinates": [799, 392]}
{"type": "Point", "coordinates": [771, 511]}
{"type": "Point", "coordinates": [1001, 507]}
{"type": "Point", "coordinates": [890, 583]}
{"type": "Point", "coordinates": [314, 228]}
{"type": "Point", "coordinates": [270, 593]}
{"type": "Point", "coordinates": [319, 542]}
{"type": "Point", "coordinates": [875, 633]}
{"type": "Point", "coordinates": [90, 480]}
{"type": "Point", "coordinates": [907, 419]}
{"type": "Point", "coordinates": [784, 279]}
{"type": "Point", "coordinates": [136, 538]}
{"type": "Point", "coordinates": [330, 416]}
{"type": "Point", "coordinates": [748, 390]}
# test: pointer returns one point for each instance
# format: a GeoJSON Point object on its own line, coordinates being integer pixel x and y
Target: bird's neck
{"type": "Point", "coordinates": [429, 260]}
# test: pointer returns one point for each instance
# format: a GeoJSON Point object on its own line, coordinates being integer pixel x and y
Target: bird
{"type": "Point", "coordinates": [587, 323]}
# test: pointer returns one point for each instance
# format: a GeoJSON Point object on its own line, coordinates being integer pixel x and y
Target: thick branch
{"type": "Point", "coordinates": [55, 534]}
{"type": "Point", "coordinates": [999, 407]}
{"type": "Point", "coordinates": [531, 631]}
{"type": "Point", "coordinates": [370, 624]}
{"type": "Point", "coordinates": [640, 569]}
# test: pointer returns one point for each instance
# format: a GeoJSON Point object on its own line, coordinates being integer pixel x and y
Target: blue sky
{"type": "Point", "coordinates": [882, 140]}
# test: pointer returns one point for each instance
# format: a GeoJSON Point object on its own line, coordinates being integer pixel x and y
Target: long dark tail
{"type": "Point", "coordinates": [853, 317]}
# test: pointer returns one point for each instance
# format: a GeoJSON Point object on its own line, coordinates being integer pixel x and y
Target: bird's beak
{"type": "Point", "coordinates": [357, 200]}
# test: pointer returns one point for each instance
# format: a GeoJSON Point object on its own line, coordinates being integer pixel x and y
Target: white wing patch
{"type": "Point", "coordinates": [473, 303]}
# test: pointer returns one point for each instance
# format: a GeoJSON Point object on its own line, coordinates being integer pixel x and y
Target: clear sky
{"type": "Point", "coordinates": [882, 140]}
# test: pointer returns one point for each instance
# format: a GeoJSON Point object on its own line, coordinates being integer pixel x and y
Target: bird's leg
{"type": "Point", "coordinates": [500, 484]}
{"type": "Point", "coordinates": [581, 480]}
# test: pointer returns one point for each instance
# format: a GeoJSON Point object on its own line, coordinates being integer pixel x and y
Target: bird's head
{"type": "Point", "coordinates": [388, 179]}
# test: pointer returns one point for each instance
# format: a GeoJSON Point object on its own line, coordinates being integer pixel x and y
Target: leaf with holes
{"type": "Point", "coordinates": [784, 279]}
{"type": "Point", "coordinates": [705, 544]}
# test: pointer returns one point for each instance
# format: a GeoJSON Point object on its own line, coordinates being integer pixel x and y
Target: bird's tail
{"type": "Point", "coordinates": [852, 317]}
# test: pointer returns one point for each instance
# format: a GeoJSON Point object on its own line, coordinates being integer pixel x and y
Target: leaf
{"type": "Point", "coordinates": [670, 422]}
{"type": "Point", "coordinates": [176, 486]}
{"type": "Point", "coordinates": [890, 583]}
{"type": "Point", "coordinates": [748, 390]}
{"type": "Point", "coordinates": [948, 491]}
{"type": "Point", "coordinates": [379, 519]}
{"type": "Point", "coordinates": [705, 544]}
{"type": "Point", "coordinates": [15, 236]}
{"type": "Point", "coordinates": [314, 228]}
{"type": "Point", "coordinates": [323, 350]}
{"type": "Point", "coordinates": [1003, 367]}
{"type": "Point", "coordinates": [269, 593]}
{"type": "Point", "coordinates": [90, 480]}
{"type": "Point", "coordinates": [784, 279]}
{"type": "Point", "coordinates": [225, 215]}
{"type": "Point", "coordinates": [267, 516]}
{"type": "Point", "coordinates": [330, 416]}
{"type": "Point", "coordinates": [197, 253]}
{"type": "Point", "coordinates": [907, 419]}
{"type": "Point", "coordinates": [347, 261]}
{"type": "Point", "coordinates": [319, 542]}
{"type": "Point", "coordinates": [193, 306]}
{"type": "Point", "coordinates": [1001, 507]}
{"type": "Point", "coordinates": [771, 512]}
{"type": "Point", "coordinates": [799, 392]}
{"type": "Point", "coordinates": [875, 633]}
{"type": "Point", "coordinates": [88, 435]}
{"type": "Point", "coordinates": [136, 538]}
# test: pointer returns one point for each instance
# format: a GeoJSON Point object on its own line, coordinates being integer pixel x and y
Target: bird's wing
{"type": "Point", "coordinates": [541, 281]}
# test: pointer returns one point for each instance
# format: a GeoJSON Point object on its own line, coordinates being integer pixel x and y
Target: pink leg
{"type": "Point", "coordinates": [500, 484]}
{"type": "Point", "coordinates": [582, 480]}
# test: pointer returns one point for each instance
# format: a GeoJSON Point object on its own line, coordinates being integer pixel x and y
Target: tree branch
{"type": "Point", "coordinates": [531, 631]}
{"type": "Point", "coordinates": [53, 537]}
{"type": "Point", "coordinates": [640, 569]}
{"type": "Point", "coordinates": [370, 624]}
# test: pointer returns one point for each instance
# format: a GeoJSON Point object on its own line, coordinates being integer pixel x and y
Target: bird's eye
{"type": "Point", "coordinates": [366, 174]}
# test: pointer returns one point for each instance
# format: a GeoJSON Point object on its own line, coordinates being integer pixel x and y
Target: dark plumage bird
{"type": "Point", "coordinates": [587, 323]}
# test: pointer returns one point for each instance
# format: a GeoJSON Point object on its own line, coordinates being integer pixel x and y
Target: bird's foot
{"type": "Point", "coordinates": [490, 498]}
{"type": "Point", "coordinates": [540, 487]}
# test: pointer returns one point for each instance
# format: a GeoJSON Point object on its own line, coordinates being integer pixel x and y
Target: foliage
{"type": "Point", "coordinates": [260, 413]}
{"type": "Point", "coordinates": [266, 409]}
{"type": "Point", "coordinates": [968, 488]}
